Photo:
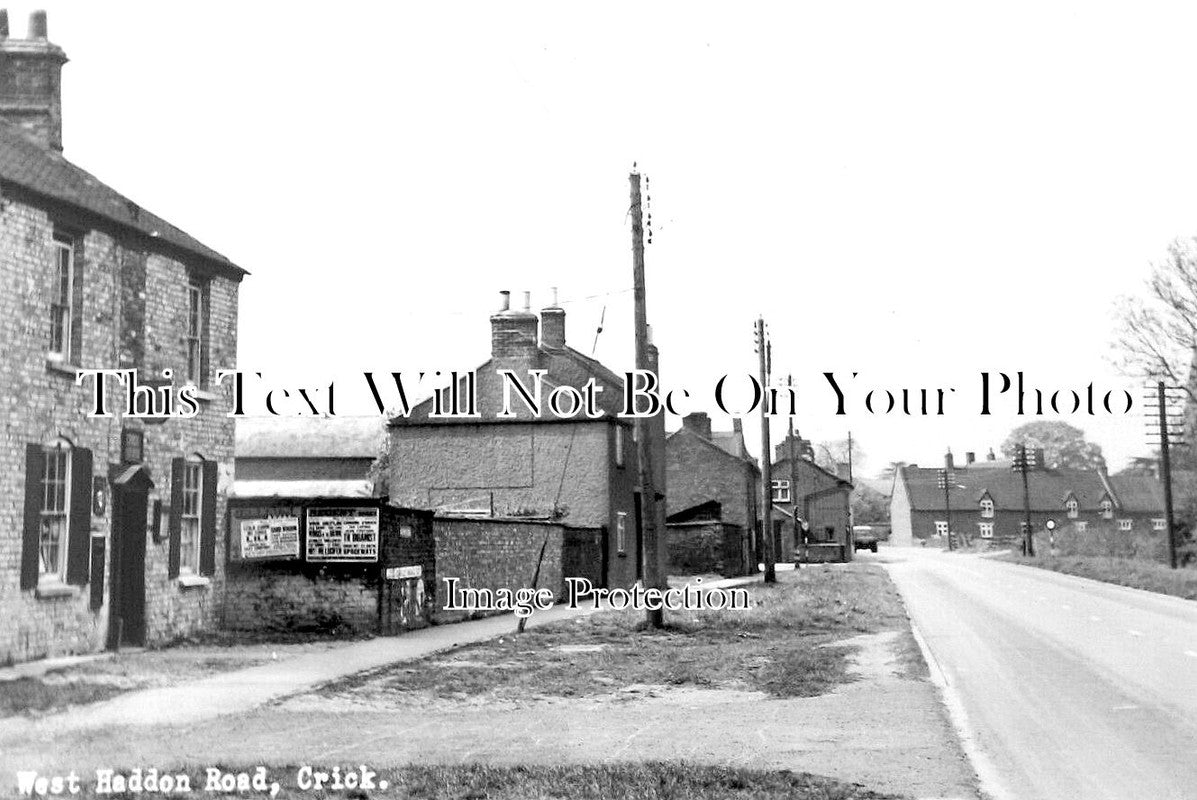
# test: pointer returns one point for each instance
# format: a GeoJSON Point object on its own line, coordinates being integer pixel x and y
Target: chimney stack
{"type": "Point", "coordinates": [990, 456]}
{"type": "Point", "coordinates": [698, 422]}
{"type": "Point", "coordinates": [31, 81]}
{"type": "Point", "coordinates": [552, 324]}
{"type": "Point", "coordinates": [970, 458]}
{"type": "Point", "coordinates": [948, 461]}
{"type": "Point", "coordinates": [1040, 458]}
{"type": "Point", "coordinates": [513, 334]}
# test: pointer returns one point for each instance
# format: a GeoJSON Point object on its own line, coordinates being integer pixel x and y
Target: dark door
{"type": "Point", "coordinates": [126, 616]}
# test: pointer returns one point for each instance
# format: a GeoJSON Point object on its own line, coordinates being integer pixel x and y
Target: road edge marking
{"type": "Point", "coordinates": [987, 774]}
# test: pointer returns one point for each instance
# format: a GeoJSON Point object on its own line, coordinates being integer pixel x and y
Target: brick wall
{"type": "Point", "coordinates": [703, 547]}
{"type": "Point", "coordinates": [42, 403]}
{"type": "Point", "coordinates": [495, 553]}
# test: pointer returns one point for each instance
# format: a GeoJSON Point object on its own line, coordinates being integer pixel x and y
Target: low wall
{"type": "Point", "coordinates": [824, 553]}
{"type": "Point", "coordinates": [494, 553]}
{"type": "Point", "coordinates": [696, 548]}
{"type": "Point", "coordinates": [292, 595]}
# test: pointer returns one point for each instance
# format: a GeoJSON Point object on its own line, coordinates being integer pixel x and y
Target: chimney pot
{"type": "Point", "coordinates": [528, 302]}
{"type": "Point", "coordinates": [699, 423]}
{"type": "Point", "coordinates": [970, 458]}
{"type": "Point", "coordinates": [505, 300]}
{"type": "Point", "coordinates": [555, 303]}
{"type": "Point", "coordinates": [38, 28]}
{"type": "Point", "coordinates": [948, 461]}
{"type": "Point", "coordinates": [990, 456]}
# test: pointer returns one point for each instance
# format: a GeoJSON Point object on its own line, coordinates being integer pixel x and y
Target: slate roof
{"type": "Point", "coordinates": [46, 172]}
{"type": "Point", "coordinates": [1048, 488]}
{"type": "Point", "coordinates": [715, 446]}
{"type": "Point", "coordinates": [310, 437]}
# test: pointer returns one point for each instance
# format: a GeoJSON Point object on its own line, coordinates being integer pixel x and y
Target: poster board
{"type": "Point", "coordinates": [272, 537]}
{"type": "Point", "coordinates": [344, 534]}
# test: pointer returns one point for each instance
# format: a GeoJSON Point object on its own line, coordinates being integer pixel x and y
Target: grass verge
{"type": "Point", "coordinates": [783, 645]}
{"type": "Point", "coordinates": [1131, 572]}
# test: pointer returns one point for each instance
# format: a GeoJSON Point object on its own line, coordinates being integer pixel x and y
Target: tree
{"type": "Point", "coordinates": [869, 506]}
{"type": "Point", "coordinates": [1157, 334]}
{"type": "Point", "coordinates": [1064, 445]}
{"type": "Point", "coordinates": [829, 455]}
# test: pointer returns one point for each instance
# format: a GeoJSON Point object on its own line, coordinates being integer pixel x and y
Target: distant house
{"type": "Point", "coordinates": [808, 498]}
{"type": "Point", "coordinates": [711, 479]}
{"type": "Point", "coordinates": [307, 456]}
{"type": "Point", "coordinates": [987, 502]}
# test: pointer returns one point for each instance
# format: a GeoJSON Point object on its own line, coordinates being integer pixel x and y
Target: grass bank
{"type": "Point", "coordinates": [783, 645]}
{"type": "Point", "coordinates": [1131, 572]}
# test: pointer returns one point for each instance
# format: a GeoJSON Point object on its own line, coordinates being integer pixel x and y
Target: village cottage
{"type": "Point", "coordinates": [108, 526]}
{"type": "Point", "coordinates": [580, 472]}
{"type": "Point", "coordinates": [1088, 508]}
{"type": "Point", "coordinates": [812, 507]}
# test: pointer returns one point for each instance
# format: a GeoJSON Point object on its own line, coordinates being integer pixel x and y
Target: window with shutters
{"type": "Point", "coordinates": [55, 514]}
{"type": "Point", "coordinates": [190, 528]}
{"type": "Point", "coordinates": [64, 314]}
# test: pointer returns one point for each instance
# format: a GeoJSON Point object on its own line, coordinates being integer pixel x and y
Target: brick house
{"type": "Point", "coordinates": [817, 497]}
{"type": "Point", "coordinates": [987, 502]}
{"type": "Point", "coordinates": [579, 471]}
{"type": "Point", "coordinates": [712, 478]}
{"type": "Point", "coordinates": [108, 527]}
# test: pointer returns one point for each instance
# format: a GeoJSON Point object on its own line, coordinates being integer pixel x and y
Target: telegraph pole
{"type": "Point", "coordinates": [653, 575]}
{"type": "Point", "coordinates": [768, 555]}
{"type": "Point", "coordinates": [945, 483]}
{"type": "Point", "coordinates": [1022, 464]}
{"type": "Point", "coordinates": [1166, 473]}
{"type": "Point", "coordinates": [794, 483]}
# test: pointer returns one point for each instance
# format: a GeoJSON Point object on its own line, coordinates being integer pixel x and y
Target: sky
{"type": "Point", "coordinates": [917, 193]}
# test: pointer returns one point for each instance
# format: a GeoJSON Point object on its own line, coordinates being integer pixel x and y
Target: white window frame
{"type": "Point", "coordinates": [621, 531]}
{"type": "Point", "coordinates": [56, 509]}
{"type": "Point", "coordinates": [1159, 524]}
{"type": "Point", "coordinates": [781, 490]}
{"type": "Point", "coordinates": [986, 529]}
{"type": "Point", "coordinates": [1073, 508]}
{"type": "Point", "coordinates": [1126, 525]}
{"type": "Point", "coordinates": [1082, 526]}
{"type": "Point", "coordinates": [1107, 509]}
{"type": "Point", "coordinates": [62, 309]}
{"type": "Point", "coordinates": [191, 527]}
{"type": "Point", "coordinates": [941, 527]}
{"type": "Point", "coordinates": [197, 332]}
{"type": "Point", "coordinates": [987, 508]}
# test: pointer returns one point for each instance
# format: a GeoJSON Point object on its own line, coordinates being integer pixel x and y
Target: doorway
{"type": "Point", "coordinates": [126, 579]}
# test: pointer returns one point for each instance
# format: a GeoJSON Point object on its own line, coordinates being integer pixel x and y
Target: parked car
{"type": "Point", "coordinates": [865, 537]}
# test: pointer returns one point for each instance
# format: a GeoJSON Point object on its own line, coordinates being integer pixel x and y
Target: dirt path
{"type": "Point", "coordinates": [883, 730]}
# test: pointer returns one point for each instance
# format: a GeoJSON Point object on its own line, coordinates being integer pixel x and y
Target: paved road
{"type": "Point", "coordinates": [1067, 688]}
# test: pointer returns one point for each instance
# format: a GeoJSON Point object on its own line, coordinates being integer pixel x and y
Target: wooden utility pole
{"type": "Point", "coordinates": [798, 533]}
{"type": "Point", "coordinates": [1166, 473]}
{"type": "Point", "coordinates": [654, 577]}
{"type": "Point", "coordinates": [769, 556]}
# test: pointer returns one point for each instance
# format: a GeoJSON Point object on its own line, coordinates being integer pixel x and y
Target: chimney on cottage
{"type": "Point", "coordinates": [698, 422]}
{"type": "Point", "coordinates": [948, 461]}
{"type": "Point", "coordinates": [970, 458]}
{"type": "Point", "coordinates": [513, 334]}
{"type": "Point", "coordinates": [1040, 458]}
{"type": "Point", "coordinates": [990, 456]}
{"type": "Point", "coordinates": [737, 425]}
{"type": "Point", "coordinates": [552, 324]}
{"type": "Point", "coordinates": [31, 81]}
